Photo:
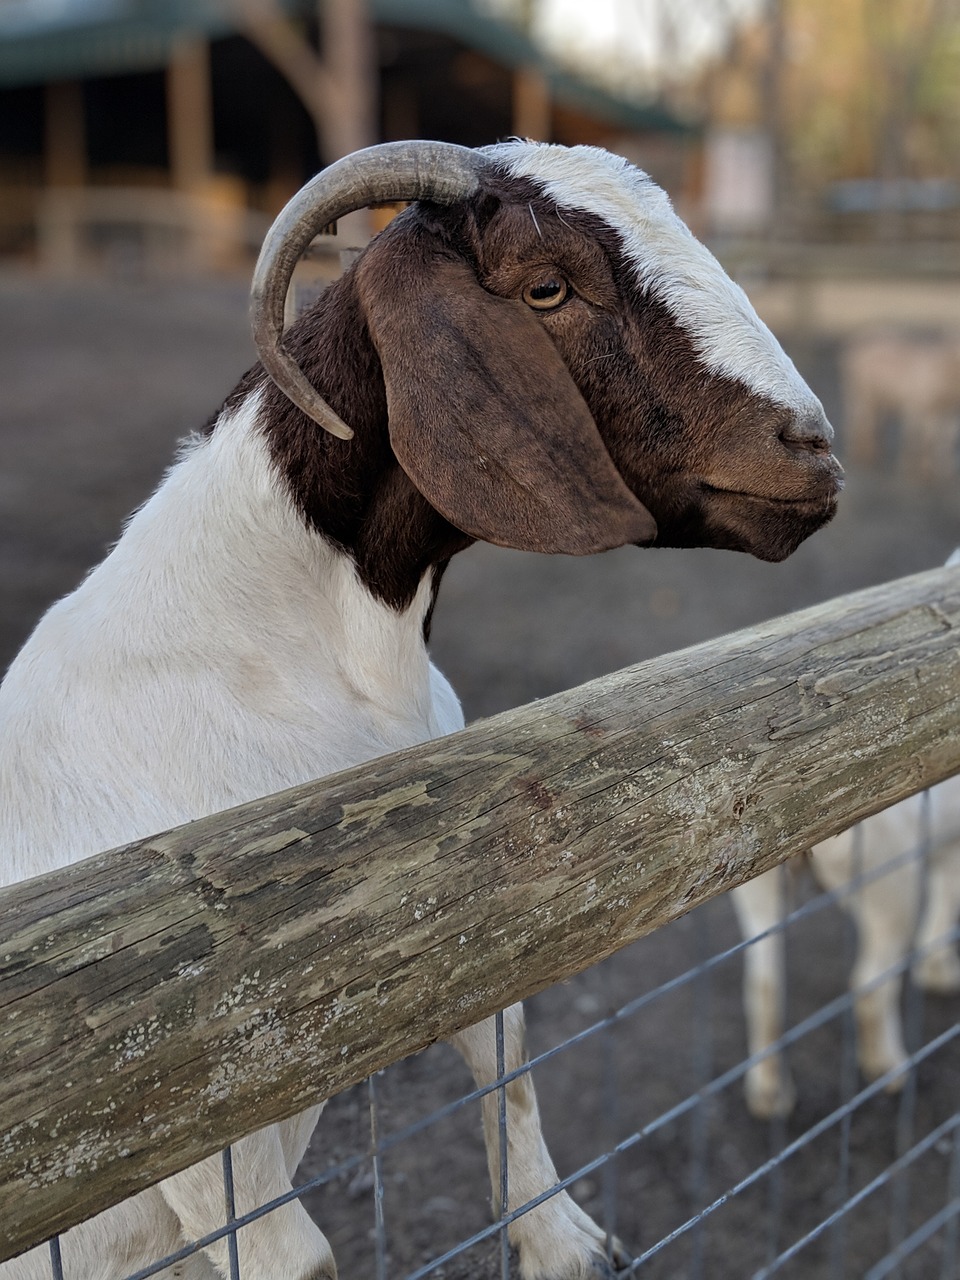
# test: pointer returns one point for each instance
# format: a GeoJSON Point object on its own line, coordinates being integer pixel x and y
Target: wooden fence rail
{"type": "Point", "coordinates": [159, 1001]}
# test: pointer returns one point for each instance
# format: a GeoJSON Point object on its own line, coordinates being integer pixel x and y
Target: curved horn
{"type": "Point", "coordinates": [384, 174]}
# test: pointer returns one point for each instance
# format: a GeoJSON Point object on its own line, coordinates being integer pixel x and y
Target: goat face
{"type": "Point", "coordinates": [567, 369]}
{"type": "Point", "coordinates": [706, 418]}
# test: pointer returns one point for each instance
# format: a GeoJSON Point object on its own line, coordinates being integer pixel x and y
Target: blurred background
{"type": "Point", "coordinates": [814, 144]}
{"type": "Point", "coordinates": [146, 144]}
{"type": "Point", "coordinates": [161, 128]}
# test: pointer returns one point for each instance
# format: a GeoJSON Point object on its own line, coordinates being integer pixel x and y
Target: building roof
{"type": "Point", "coordinates": [43, 40]}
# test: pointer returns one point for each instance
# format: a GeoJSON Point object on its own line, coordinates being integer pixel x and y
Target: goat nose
{"type": "Point", "coordinates": [807, 432]}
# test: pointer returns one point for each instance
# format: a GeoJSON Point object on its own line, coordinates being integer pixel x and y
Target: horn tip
{"type": "Point", "coordinates": [338, 429]}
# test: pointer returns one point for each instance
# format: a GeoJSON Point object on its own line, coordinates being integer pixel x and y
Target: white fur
{"type": "Point", "coordinates": [222, 652]}
{"type": "Point", "coordinates": [716, 314]}
{"type": "Point", "coordinates": [219, 621]}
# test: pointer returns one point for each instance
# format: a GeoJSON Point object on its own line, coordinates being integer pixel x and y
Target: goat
{"type": "Point", "coordinates": [913, 904]}
{"type": "Point", "coordinates": [537, 353]}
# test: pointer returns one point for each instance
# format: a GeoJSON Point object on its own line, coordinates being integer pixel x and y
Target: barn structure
{"type": "Point", "coordinates": [164, 121]}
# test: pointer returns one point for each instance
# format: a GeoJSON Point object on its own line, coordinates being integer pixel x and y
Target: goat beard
{"type": "Point", "coordinates": [767, 528]}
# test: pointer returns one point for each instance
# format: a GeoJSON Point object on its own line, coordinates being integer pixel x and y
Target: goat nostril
{"type": "Point", "coordinates": [807, 433]}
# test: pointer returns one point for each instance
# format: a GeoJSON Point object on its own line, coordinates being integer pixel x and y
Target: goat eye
{"type": "Point", "coordinates": [542, 295]}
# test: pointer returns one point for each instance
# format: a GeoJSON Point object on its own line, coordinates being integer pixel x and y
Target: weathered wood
{"type": "Point", "coordinates": [190, 115]}
{"type": "Point", "coordinates": [160, 1000]}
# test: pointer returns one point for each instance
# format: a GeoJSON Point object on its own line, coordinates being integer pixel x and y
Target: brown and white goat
{"type": "Point", "coordinates": [536, 353]}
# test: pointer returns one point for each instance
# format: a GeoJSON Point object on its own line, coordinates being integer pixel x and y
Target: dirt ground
{"type": "Point", "coordinates": [97, 383]}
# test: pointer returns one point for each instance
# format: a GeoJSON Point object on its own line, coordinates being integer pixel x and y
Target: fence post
{"type": "Point", "coordinates": [159, 1001]}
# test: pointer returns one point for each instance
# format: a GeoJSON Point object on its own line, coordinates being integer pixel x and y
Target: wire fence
{"type": "Point", "coordinates": [168, 997]}
{"type": "Point", "coordinates": [644, 1108]}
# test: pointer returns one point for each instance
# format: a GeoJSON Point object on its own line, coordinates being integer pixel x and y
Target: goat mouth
{"type": "Point", "coordinates": [824, 500]}
{"type": "Point", "coordinates": [770, 527]}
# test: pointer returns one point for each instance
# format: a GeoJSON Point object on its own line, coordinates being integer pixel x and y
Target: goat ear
{"type": "Point", "coordinates": [484, 416]}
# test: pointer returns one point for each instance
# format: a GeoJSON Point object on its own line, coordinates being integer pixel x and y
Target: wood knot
{"type": "Point", "coordinates": [540, 796]}
{"type": "Point", "coordinates": [591, 728]}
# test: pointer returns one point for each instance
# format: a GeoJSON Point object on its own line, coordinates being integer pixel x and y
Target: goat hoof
{"type": "Point", "coordinates": [938, 973]}
{"type": "Point", "coordinates": [620, 1255]}
{"type": "Point", "coordinates": [562, 1242]}
{"type": "Point", "coordinates": [769, 1097]}
{"type": "Point", "coordinates": [598, 1266]}
{"type": "Point", "coordinates": [590, 1263]}
{"type": "Point", "coordinates": [604, 1266]}
{"type": "Point", "coordinates": [894, 1085]}
{"type": "Point", "coordinates": [603, 1269]}
{"type": "Point", "coordinates": [608, 1268]}
{"type": "Point", "coordinates": [873, 1066]}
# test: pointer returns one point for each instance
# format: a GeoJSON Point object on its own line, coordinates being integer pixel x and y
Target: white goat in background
{"type": "Point", "coordinates": [913, 905]}
{"type": "Point", "coordinates": [537, 353]}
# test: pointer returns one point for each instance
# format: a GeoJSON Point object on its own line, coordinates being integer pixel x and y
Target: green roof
{"type": "Point", "coordinates": [43, 40]}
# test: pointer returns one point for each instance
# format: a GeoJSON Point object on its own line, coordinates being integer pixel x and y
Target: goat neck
{"type": "Point", "coordinates": [354, 494]}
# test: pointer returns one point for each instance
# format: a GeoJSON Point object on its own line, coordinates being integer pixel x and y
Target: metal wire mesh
{"type": "Point", "coordinates": [689, 1125]}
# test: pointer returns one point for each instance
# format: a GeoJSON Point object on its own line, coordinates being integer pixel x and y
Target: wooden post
{"type": "Point", "coordinates": [532, 115]}
{"type": "Point", "coordinates": [190, 140]}
{"type": "Point", "coordinates": [401, 109]}
{"type": "Point", "coordinates": [349, 120]}
{"type": "Point", "coordinates": [339, 90]}
{"type": "Point", "coordinates": [65, 171]}
{"type": "Point", "coordinates": [189, 115]}
{"type": "Point", "coordinates": [65, 155]}
{"type": "Point", "coordinates": [160, 1001]}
